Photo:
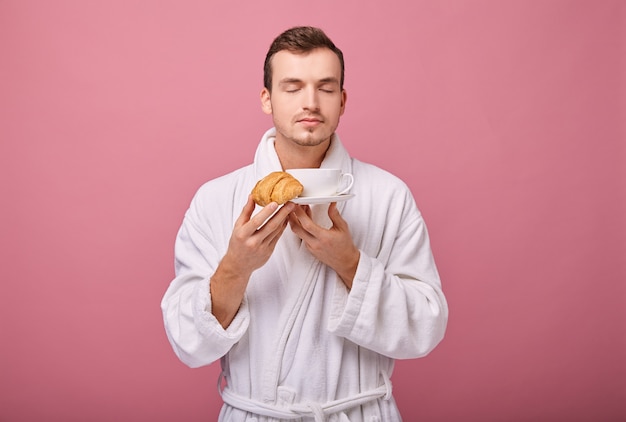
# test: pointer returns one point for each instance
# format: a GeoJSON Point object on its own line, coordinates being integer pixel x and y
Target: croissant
{"type": "Point", "coordinates": [278, 187]}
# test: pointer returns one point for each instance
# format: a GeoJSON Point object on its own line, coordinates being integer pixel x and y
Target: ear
{"type": "Point", "coordinates": [266, 103]}
{"type": "Point", "coordinates": [344, 98]}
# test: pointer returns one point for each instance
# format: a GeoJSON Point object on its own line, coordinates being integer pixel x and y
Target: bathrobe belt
{"type": "Point", "coordinates": [298, 410]}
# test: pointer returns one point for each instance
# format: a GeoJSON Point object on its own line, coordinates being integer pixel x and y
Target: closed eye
{"type": "Point", "coordinates": [329, 85]}
{"type": "Point", "coordinates": [290, 85]}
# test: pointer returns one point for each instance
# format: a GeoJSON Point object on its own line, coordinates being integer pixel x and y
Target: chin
{"type": "Point", "coordinates": [312, 137]}
{"type": "Point", "coordinates": [311, 141]}
{"type": "Point", "coordinates": [305, 137]}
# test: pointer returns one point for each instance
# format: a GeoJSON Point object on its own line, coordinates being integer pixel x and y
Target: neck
{"type": "Point", "coordinates": [294, 156]}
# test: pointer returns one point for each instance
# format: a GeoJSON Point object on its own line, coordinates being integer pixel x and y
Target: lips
{"type": "Point", "coordinates": [309, 120]}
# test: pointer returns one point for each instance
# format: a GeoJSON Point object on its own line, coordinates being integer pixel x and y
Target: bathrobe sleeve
{"type": "Point", "coordinates": [396, 306]}
{"type": "Point", "coordinates": [195, 334]}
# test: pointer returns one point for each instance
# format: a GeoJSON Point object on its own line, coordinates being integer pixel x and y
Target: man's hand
{"type": "Point", "coordinates": [250, 247]}
{"type": "Point", "coordinates": [334, 247]}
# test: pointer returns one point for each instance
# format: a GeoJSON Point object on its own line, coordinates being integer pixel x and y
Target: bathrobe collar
{"type": "Point", "coordinates": [266, 159]}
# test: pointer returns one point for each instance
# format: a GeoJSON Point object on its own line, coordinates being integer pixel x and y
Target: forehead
{"type": "Point", "coordinates": [320, 63]}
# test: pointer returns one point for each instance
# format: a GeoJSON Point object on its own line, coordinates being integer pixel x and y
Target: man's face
{"type": "Point", "coordinates": [306, 99]}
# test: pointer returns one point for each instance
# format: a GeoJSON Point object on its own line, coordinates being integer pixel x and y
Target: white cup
{"type": "Point", "coordinates": [320, 182]}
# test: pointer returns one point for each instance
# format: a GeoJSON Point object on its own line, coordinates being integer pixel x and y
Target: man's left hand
{"type": "Point", "coordinates": [334, 246]}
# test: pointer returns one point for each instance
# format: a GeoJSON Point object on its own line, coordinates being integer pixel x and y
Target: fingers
{"type": "Point", "coordinates": [266, 222]}
{"type": "Point", "coordinates": [267, 225]}
{"type": "Point", "coordinates": [305, 220]}
{"type": "Point", "coordinates": [296, 227]}
{"type": "Point", "coordinates": [254, 237]}
{"type": "Point", "coordinates": [335, 216]}
{"type": "Point", "coordinates": [274, 236]}
{"type": "Point", "coordinates": [246, 212]}
{"type": "Point", "coordinates": [302, 224]}
{"type": "Point", "coordinates": [303, 213]}
{"type": "Point", "coordinates": [265, 213]}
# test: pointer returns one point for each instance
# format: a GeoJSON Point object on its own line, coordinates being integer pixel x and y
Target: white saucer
{"type": "Point", "coordinates": [309, 200]}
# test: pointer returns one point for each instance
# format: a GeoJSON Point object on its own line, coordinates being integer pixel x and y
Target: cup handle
{"type": "Point", "coordinates": [346, 189]}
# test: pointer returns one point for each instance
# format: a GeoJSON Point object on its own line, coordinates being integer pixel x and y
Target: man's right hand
{"type": "Point", "coordinates": [250, 247]}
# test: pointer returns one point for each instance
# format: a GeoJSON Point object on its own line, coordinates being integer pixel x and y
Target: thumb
{"type": "Point", "coordinates": [335, 216]}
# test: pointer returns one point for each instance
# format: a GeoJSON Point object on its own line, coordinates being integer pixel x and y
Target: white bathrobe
{"type": "Point", "coordinates": [302, 346]}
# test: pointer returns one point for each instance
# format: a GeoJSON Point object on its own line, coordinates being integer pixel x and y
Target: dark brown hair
{"type": "Point", "coordinates": [300, 39]}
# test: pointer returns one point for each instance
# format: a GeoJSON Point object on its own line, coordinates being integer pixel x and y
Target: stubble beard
{"type": "Point", "coordinates": [310, 138]}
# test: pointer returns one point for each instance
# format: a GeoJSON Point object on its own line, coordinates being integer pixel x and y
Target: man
{"type": "Point", "coordinates": [307, 321]}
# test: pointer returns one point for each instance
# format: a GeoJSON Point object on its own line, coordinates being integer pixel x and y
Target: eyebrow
{"type": "Point", "coordinates": [289, 81]}
{"type": "Point", "coordinates": [330, 79]}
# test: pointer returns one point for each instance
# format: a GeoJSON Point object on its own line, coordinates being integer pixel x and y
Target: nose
{"type": "Point", "coordinates": [311, 100]}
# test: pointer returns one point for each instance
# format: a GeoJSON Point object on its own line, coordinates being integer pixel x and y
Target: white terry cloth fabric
{"type": "Point", "coordinates": [301, 340]}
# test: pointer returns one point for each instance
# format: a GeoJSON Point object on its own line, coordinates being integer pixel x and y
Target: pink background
{"type": "Point", "coordinates": [506, 119]}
